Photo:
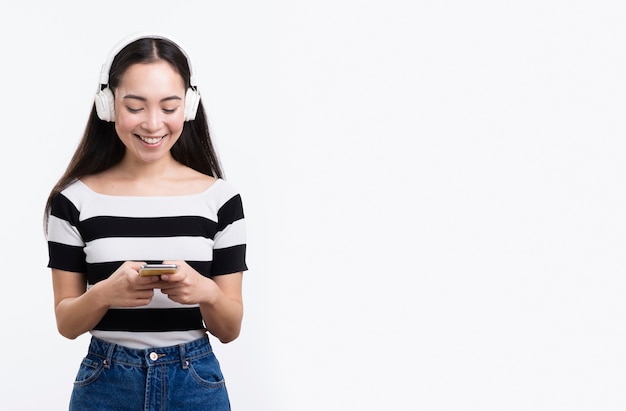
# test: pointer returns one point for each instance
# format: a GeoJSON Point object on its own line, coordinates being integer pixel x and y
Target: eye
{"type": "Point", "coordinates": [169, 111]}
{"type": "Point", "coordinates": [133, 110]}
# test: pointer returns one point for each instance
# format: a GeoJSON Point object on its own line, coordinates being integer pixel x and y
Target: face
{"type": "Point", "coordinates": [149, 110]}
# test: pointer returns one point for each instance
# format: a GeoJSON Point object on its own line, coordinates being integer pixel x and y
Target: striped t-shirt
{"type": "Point", "coordinates": [93, 234]}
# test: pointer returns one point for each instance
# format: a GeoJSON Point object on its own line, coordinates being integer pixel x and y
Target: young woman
{"type": "Point", "coordinates": [145, 186]}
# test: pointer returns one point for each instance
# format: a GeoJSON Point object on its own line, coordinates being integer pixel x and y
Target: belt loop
{"type": "Point", "coordinates": [109, 357]}
{"type": "Point", "coordinates": [184, 362]}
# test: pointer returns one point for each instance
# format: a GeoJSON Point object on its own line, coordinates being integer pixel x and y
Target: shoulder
{"type": "Point", "coordinates": [225, 186]}
{"type": "Point", "coordinates": [224, 190]}
{"type": "Point", "coordinates": [75, 191]}
{"type": "Point", "coordinates": [69, 201]}
{"type": "Point", "coordinates": [227, 201]}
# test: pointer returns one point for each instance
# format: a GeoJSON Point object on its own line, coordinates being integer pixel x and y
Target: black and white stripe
{"type": "Point", "coordinates": [93, 234]}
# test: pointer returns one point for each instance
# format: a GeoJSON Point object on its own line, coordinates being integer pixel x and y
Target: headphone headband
{"type": "Point", "coordinates": [104, 100]}
{"type": "Point", "coordinates": [106, 67]}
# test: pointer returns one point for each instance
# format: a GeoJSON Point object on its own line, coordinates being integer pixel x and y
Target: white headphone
{"type": "Point", "coordinates": [104, 100]}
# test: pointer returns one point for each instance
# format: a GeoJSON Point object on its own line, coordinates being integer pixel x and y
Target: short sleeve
{"type": "Point", "coordinates": [229, 250]}
{"type": "Point", "coordinates": [65, 244]}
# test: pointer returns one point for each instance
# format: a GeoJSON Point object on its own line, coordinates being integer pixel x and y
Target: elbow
{"type": "Point", "coordinates": [69, 336]}
{"type": "Point", "coordinates": [67, 333]}
{"type": "Point", "coordinates": [230, 337]}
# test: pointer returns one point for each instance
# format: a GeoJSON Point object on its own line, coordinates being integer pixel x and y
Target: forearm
{"type": "Point", "coordinates": [223, 317]}
{"type": "Point", "coordinates": [77, 315]}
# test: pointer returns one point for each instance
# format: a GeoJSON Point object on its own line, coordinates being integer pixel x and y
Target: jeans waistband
{"type": "Point", "coordinates": [147, 357]}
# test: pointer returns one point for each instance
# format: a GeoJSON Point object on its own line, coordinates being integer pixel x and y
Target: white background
{"type": "Point", "coordinates": [434, 193]}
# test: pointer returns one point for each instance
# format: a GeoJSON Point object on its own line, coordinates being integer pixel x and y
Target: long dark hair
{"type": "Point", "coordinates": [100, 148]}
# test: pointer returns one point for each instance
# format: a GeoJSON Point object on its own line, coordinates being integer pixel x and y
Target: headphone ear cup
{"type": "Point", "coordinates": [192, 101]}
{"type": "Point", "coordinates": [105, 105]}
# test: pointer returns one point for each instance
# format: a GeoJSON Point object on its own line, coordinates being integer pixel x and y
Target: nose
{"type": "Point", "coordinates": [152, 121]}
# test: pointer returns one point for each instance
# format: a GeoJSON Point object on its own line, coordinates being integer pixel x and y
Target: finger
{"type": "Point", "coordinates": [168, 288]}
{"type": "Point", "coordinates": [148, 285]}
{"type": "Point", "coordinates": [177, 262]}
{"type": "Point", "coordinates": [173, 277]}
{"type": "Point", "coordinates": [135, 264]}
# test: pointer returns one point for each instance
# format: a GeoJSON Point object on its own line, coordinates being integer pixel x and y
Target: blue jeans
{"type": "Point", "coordinates": [181, 377]}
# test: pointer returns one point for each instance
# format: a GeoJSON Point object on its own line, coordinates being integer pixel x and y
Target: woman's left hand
{"type": "Point", "coordinates": [187, 286]}
{"type": "Point", "coordinates": [219, 298]}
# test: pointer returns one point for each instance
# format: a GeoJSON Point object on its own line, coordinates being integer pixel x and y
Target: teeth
{"type": "Point", "coordinates": [151, 140]}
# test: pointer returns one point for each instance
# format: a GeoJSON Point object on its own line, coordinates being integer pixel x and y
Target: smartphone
{"type": "Point", "coordinates": [157, 269]}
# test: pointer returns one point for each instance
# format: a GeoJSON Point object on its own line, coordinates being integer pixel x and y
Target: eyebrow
{"type": "Point", "coordinates": [135, 97]}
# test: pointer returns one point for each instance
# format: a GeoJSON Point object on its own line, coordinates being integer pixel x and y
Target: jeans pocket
{"type": "Point", "coordinates": [206, 371]}
{"type": "Point", "coordinates": [88, 372]}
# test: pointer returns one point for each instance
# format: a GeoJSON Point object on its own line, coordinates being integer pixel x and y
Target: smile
{"type": "Point", "coordinates": [150, 140]}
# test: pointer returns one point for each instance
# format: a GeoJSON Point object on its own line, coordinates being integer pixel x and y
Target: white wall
{"type": "Point", "coordinates": [435, 194]}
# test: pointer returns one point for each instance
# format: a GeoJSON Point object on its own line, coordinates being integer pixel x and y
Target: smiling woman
{"type": "Point", "coordinates": [145, 186]}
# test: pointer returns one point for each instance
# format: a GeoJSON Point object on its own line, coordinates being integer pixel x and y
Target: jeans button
{"type": "Point", "coordinates": [154, 356]}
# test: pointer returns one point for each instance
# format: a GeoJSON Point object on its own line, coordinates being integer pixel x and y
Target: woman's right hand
{"type": "Point", "coordinates": [78, 311]}
{"type": "Point", "coordinates": [126, 288]}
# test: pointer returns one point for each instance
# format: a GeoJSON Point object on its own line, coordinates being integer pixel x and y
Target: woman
{"type": "Point", "coordinates": [145, 186]}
